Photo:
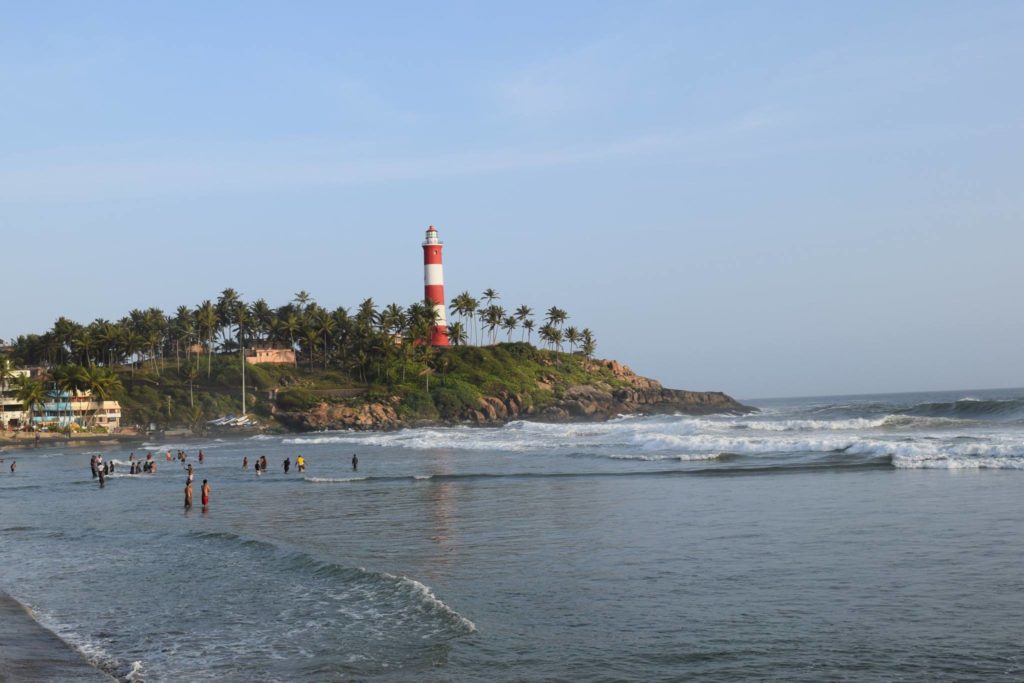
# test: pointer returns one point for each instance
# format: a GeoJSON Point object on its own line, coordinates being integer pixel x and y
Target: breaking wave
{"type": "Point", "coordinates": [393, 602]}
{"type": "Point", "coordinates": [971, 408]}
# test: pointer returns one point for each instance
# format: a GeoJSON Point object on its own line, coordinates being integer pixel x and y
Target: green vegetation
{"type": "Point", "coordinates": [187, 368]}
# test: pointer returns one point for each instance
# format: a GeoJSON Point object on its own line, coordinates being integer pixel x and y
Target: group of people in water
{"type": "Point", "coordinates": [260, 466]}
{"type": "Point", "coordinates": [147, 466]}
{"type": "Point", "coordinates": [101, 469]}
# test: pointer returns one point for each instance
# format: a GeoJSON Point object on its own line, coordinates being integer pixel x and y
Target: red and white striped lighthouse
{"type": "Point", "coordinates": [433, 286]}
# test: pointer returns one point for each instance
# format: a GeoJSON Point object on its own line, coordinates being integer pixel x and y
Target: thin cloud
{"type": "Point", "coordinates": [171, 173]}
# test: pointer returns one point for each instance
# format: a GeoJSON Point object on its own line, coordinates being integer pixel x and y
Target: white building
{"type": "Point", "coordinates": [61, 409]}
{"type": "Point", "coordinates": [12, 413]}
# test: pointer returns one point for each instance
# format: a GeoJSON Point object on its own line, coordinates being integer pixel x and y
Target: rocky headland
{"type": "Point", "coordinates": [608, 389]}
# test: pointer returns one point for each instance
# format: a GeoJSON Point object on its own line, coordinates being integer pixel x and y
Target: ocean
{"type": "Point", "coordinates": [856, 538]}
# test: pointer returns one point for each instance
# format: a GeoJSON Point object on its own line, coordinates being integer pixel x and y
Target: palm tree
{"type": "Point", "coordinates": [457, 334]}
{"type": "Point", "coordinates": [366, 316]}
{"type": "Point", "coordinates": [493, 317]}
{"type": "Point", "coordinates": [556, 316]}
{"type": "Point", "coordinates": [206, 323]}
{"type": "Point", "coordinates": [425, 373]}
{"type": "Point", "coordinates": [184, 330]}
{"type": "Point", "coordinates": [528, 329]}
{"type": "Point", "coordinates": [82, 342]}
{"type": "Point", "coordinates": [261, 318]}
{"type": "Point", "coordinates": [392, 319]}
{"type": "Point", "coordinates": [302, 299]}
{"type": "Point", "coordinates": [471, 305]}
{"type": "Point", "coordinates": [311, 339]}
{"type": "Point", "coordinates": [589, 343]}
{"type": "Point", "coordinates": [31, 393]}
{"type": "Point", "coordinates": [63, 332]}
{"type": "Point", "coordinates": [6, 373]}
{"type": "Point", "coordinates": [420, 320]}
{"type": "Point", "coordinates": [108, 335]}
{"type": "Point", "coordinates": [522, 313]}
{"type": "Point", "coordinates": [551, 335]}
{"type": "Point", "coordinates": [132, 344]}
{"type": "Point", "coordinates": [323, 323]}
{"type": "Point", "coordinates": [572, 335]}
{"type": "Point", "coordinates": [291, 325]}
{"type": "Point", "coordinates": [101, 383]}
{"type": "Point", "coordinates": [405, 354]}
{"type": "Point", "coordinates": [490, 295]}
{"type": "Point", "coordinates": [556, 338]}
{"type": "Point", "coordinates": [228, 309]}
{"type": "Point", "coordinates": [342, 329]}
{"type": "Point", "coordinates": [510, 325]}
{"type": "Point", "coordinates": [191, 374]}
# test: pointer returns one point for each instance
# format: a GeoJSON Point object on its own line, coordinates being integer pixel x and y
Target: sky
{"type": "Point", "coordinates": [765, 198]}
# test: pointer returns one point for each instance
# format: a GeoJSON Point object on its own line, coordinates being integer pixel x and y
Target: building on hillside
{"type": "Point", "coordinates": [12, 412]}
{"type": "Point", "coordinates": [65, 408]}
{"type": "Point", "coordinates": [261, 353]}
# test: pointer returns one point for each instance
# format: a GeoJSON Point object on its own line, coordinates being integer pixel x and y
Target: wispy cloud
{"type": "Point", "coordinates": [566, 84]}
{"type": "Point", "coordinates": [170, 171]}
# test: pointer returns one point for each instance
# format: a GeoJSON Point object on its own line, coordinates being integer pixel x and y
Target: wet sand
{"type": "Point", "coordinates": [30, 653]}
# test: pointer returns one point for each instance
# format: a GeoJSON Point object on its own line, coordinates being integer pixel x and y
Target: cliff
{"type": "Point", "coordinates": [587, 391]}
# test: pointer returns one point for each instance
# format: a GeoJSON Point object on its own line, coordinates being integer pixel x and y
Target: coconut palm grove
{"type": "Point", "coordinates": [187, 368]}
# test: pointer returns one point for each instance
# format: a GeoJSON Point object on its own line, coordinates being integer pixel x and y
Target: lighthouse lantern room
{"type": "Point", "coordinates": [433, 285]}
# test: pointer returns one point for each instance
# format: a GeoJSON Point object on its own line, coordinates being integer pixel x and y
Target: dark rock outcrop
{"type": "Point", "coordinates": [381, 415]}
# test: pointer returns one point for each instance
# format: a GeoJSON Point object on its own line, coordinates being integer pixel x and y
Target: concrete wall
{"type": "Point", "coordinates": [275, 356]}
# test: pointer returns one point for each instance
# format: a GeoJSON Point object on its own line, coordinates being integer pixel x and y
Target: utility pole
{"type": "Point", "coordinates": [241, 347]}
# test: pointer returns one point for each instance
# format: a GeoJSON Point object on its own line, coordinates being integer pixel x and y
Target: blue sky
{"type": "Point", "coordinates": [765, 198]}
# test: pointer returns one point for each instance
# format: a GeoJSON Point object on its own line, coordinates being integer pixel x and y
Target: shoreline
{"type": "Point", "coordinates": [26, 441]}
{"type": "Point", "coordinates": [32, 652]}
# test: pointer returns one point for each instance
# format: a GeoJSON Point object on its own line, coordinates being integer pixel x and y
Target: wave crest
{"type": "Point", "coordinates": [399, 600]}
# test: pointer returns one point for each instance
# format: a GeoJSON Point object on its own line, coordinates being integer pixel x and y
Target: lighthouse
{"type": "Point", "coordinates": [433, 286]}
